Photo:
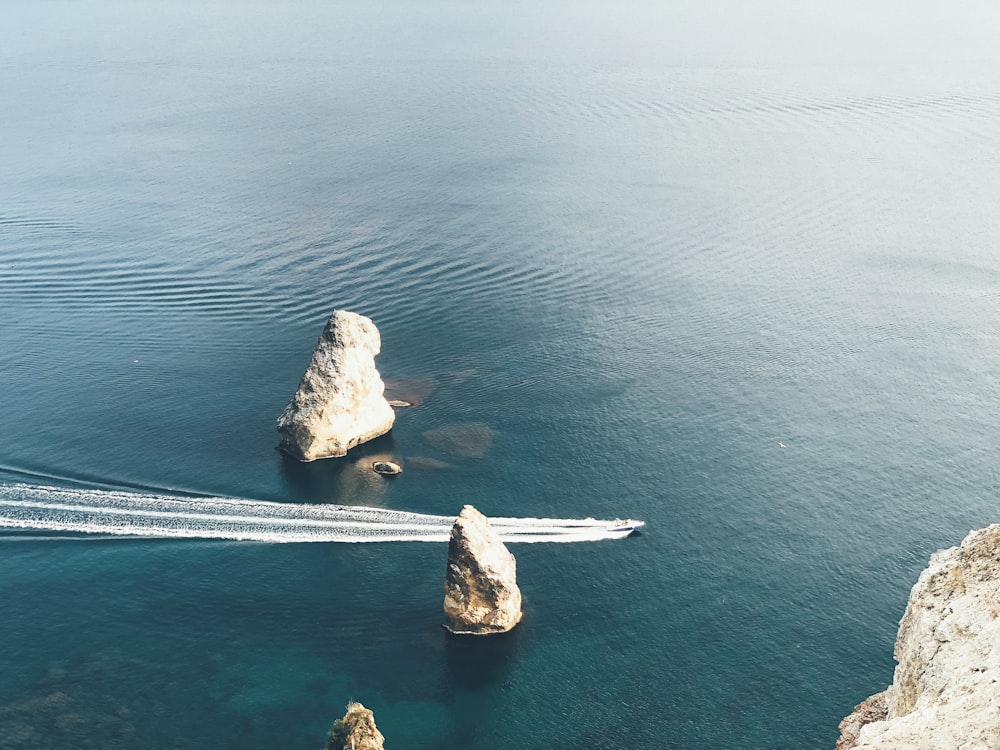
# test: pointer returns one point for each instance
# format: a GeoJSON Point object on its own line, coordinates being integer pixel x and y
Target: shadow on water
{"type": "Point", "coordinates": [477, 662]}
{"type": "Point", "coordinates": [349, 480]}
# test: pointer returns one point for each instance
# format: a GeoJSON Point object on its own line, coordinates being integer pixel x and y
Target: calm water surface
{"type": "Point", "coordinates": [730, 269]}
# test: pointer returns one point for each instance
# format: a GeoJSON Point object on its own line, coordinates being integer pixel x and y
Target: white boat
{"type": "Point", "coordinates": [626, 526]}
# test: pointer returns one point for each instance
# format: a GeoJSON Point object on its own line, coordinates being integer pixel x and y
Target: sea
{"type": "Point", "coordinates": [730, 268]}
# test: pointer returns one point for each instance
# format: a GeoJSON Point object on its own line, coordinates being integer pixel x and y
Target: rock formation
{"type": "Point", "coordinates": [481, 596]}
{"type": "Point", "coordinates": [339, 403]}
{"type": "Point", "coordinates": [945, 692]}
{"type": "Point", "coordinates": [871, 709]}
{"type": "Point", "coordinates": [388, 468]}
{"type": "Point", "coordinates": [356, 731]}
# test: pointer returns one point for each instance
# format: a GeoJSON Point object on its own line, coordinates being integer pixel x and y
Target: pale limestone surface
{"type": "Point", "coordinates": [339, 402]}
{"type": "Point", "coordinates": [356, 731]}
{"type": "Point", "coordinates": [481, 596]}
{"type": "Point", "coordinates": [871, 709]}
{"type": "Point", "coordinates": [945, 691]}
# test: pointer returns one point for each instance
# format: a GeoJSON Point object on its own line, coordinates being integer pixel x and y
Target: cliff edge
{"type": "Point", "coordinates": [945, 691]}
{"type": "Point", "coordinates": [339, 402]}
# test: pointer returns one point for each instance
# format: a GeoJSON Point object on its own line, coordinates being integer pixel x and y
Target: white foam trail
{"type": "Point", "coordinates": [119, 513]}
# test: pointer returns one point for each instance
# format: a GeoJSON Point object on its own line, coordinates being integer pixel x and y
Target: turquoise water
{"type": "Point", "coordinates": [644, 246]}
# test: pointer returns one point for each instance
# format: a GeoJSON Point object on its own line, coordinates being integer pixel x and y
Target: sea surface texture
{"type": "Point", "coordinates": [731, 268]}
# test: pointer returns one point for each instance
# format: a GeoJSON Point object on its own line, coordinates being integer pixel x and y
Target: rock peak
{"type": "Point", "coordinates": [339, 402]}
{"type": "Point", "coordinates": [356, 731]}
{"type": "Point", "coordinates": [481, 593]}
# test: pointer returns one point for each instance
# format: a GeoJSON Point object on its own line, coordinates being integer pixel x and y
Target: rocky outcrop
{"type": "Point", "coordinates": [339, 403]}
{"type": "Point", "coordinates": [945, 692]}
{"type": "Point", "coordinates": [356, 731]}
{"type": "Point", "coordinates": [387, 468]}
{"type": "Point", "coordinates": [481, 596]}
{"type": "Point", "coordinates": [871, 709]}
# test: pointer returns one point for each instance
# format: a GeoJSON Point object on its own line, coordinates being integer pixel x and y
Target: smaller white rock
{"type": "Point", "coordinates": [481, 596]}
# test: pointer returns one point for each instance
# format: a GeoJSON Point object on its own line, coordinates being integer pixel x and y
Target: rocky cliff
{"type": "Point", "coordinates": [356, 731]}
{"type": "Point", "coordinates": [945, 691]}
{"type": "Point", "coordinates": [339, 402]}
{"type": "Point", "coordinates": [480, 588]}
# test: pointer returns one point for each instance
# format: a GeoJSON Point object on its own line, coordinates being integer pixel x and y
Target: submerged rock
{"type": "Point", "coordinates": [481, 596]}
{"type": "Point", "coordinates": [408, 392]}
{"type": "Point", "coordinates": [465, 439]}
{"type": "Point", "coordinates": [945, 692]}
{"type": "Point", "coordinates": [92, 719]}
{"type": "Point", "coordinates": [423, 462]}
{"type": "Point", "coordinates": [356, 731]}
{"type": "Point", "coordinates": [339, 402]}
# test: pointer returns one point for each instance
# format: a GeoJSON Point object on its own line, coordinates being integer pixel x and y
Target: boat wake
{"type": "Point", "coordinates": [119, 513]}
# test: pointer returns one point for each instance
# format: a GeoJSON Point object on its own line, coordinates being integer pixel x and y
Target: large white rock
{"type": "Point", "coordinates": [481, 596]}
{"type": "Point", "coordinates": [339, 403]}
{"type": "Point", "coordinates": [945, 692]}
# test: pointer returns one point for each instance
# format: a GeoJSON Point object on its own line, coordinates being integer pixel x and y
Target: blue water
{"type": "Point", "coordinates": [646, 245]}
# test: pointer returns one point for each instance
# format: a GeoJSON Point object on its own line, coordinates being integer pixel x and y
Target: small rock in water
{"type": "Point", "coordinates": [355, 731]}
{"type": "Point", "coordinates": [389, 468]}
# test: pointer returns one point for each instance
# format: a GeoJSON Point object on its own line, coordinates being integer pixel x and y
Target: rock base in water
{"type": "Point", "coordinates": [356, 731]}
{"type": "Point", "coordinates": [481, 593]}
{"type": "Point", "coordinates": [339, 402]}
